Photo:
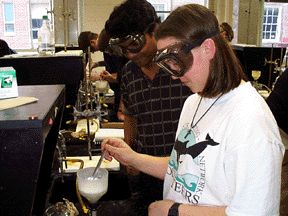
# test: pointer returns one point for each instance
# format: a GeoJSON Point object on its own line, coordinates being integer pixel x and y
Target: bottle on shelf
{"type": "Point", "coordinates": [46, 42]}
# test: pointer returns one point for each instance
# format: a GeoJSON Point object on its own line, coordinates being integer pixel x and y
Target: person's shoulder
{"type": "Point", "coordinates": [130, 66]}
{"type": "Point", "coordinates": [114, 57]}
{"type": "Point", "coordinates": [3, 42]}
{"type": "Point", "coordinates": [5, 49]}
{"type": "Point", "coordinates": [130, 69]}
{"type": "Point", "coordinates": [284, 75]}
{"type": "Point", "coordinates": [281, 84]}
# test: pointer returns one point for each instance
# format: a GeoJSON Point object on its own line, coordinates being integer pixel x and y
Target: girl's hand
{"type": "Point", "coordinates": [118, 149]}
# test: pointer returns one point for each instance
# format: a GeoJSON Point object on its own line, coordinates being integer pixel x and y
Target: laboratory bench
{"type": "Point", "coordinates": [28, 136]}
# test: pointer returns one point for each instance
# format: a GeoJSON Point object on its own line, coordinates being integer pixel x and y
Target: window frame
{"type": "Point", "coordinates": [163, 14]}
{"type": "Point", "coordinates": [278, 26]}
{"type": "Point", "coordinates": [34, 29]}
{"type": "Point", "coordinates": [8, 33]}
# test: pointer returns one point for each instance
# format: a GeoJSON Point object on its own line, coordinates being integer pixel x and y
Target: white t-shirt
{"type": "Point", "coordinates": [232, 157]}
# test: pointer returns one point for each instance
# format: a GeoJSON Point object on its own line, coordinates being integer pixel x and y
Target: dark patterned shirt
{"type": "Point", "coordinates": [114, 64]}
{"type": "Point", "coordinates": [156, 104]}
{"type": "Point", "coordinates": [278, 101]}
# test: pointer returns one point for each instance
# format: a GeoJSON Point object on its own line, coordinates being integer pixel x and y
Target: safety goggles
{"type": "Point", "coordinates": [176, 59]}
{"type": "Point", "coordinates": [130, 43]}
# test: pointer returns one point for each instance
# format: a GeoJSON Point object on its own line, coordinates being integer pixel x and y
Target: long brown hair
{"type": "Point", "coordinates": [191, 22]}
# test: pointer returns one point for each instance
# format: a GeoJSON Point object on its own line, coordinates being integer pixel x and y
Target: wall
{"type": "Point", "coordinates": [285, 21]}
{"type": "Point", "coordinates": [245, 17]}
{"type": "Point", "coordinates": [222, 9]}
{"type": "Point", "coordinates": [245, 14]}
{"type": "Point", "coordinates": [21, 26]}
{"type": "Point", "coordinates": [95, 13]}
{"type": "Point", "coordinates": [250, 21]}
{"type": "Point", "coordinates": [66, 14]}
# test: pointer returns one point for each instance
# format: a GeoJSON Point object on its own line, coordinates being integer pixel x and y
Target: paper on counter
{"type": "Point", "coordinates": [69, 53]}
{"type": "Point", "coordinates": [15, 102]}
{"type": "Point", "coordinates": [82, 125]}
{"type": "Point", "coordinates": [22, 55]}
{"type": "Point", "coordinates": [103, 133]}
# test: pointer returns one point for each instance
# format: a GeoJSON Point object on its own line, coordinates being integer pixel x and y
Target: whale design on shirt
{"type": "Point", "coordinates": [194, 150]}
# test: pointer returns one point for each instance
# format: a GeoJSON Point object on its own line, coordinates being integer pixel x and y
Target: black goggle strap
{"type": "Point", "coordinates": [115, 50]}
{"type": "Point", "coordinates": [191, 45]}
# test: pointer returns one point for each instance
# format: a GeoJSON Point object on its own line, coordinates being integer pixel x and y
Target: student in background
{"type": "Point", "coordinates": [113, 73]}
{"type": "Point", "coordinates": [113, 65]}
{"type": "Point", "coordinates": [226, 31]}
{"type": "Point", "coordinates": [5, 49]}
{"type": "Point", "coordinates": [88, 39]}
{"type": "Point", "coordinates": [278, 103]}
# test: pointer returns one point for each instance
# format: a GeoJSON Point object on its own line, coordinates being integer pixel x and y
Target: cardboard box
{"type": "Point", "coordinates": [8, 83]}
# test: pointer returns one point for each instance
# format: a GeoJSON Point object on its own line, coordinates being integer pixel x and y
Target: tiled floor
{"type": "Point", "coordinates": [284, 187]}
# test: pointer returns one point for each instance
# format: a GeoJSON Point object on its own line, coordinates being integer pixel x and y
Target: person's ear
{"type": "Point", "coordinates": [209, 48]}
{"type": "Point", "coordinates": [94, 44]}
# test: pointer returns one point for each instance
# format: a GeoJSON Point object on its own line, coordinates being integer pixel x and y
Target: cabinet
{"type": "Point", "coordinates": [28, 136]}
{"type": "Point", "coordinates": [50, 70]}
{"type": "Point", "coordinates": [265, 59]}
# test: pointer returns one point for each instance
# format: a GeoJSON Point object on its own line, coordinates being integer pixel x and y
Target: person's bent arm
{"type": "Point", "coordinates": [130, 133]}
{"type": "Point", "coordinates": [120, 114]}
{"type": "Point", "coordinates": [110, 77]}
{"type": "Point", "coordinates": [122, 152]}
{"type": "Point", "coordinates": [162, 208]}
{"type": "Point", "coordinates": [151, 165]}
{"type": "Point", "coordinates": [130, 128]}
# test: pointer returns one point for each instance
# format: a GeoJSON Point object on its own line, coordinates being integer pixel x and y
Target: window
{"type": "Point", "coordinates": [271, 24]}
{"type": "Point", "coordinates": [36, 24]}
{"type": "Point", "coordinates": [164, 7]}
{"type": "Point", "coordinates": [21, 21]}
{"type": "Point", "coordinates": [161, 12]}
{"type": "Point", "coordinates": [37, 10]}
{"type": "Point", "coordinates": [8, 19]}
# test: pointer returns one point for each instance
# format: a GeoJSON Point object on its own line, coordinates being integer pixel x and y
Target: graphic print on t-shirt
{"type": "Point", "coordinates": [187, 166]}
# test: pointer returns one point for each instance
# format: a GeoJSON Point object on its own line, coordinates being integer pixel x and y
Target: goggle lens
{"type": "Point", "coordinates": [130, 43]}
{"type": "Point", "coordinates": [175, 59]}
